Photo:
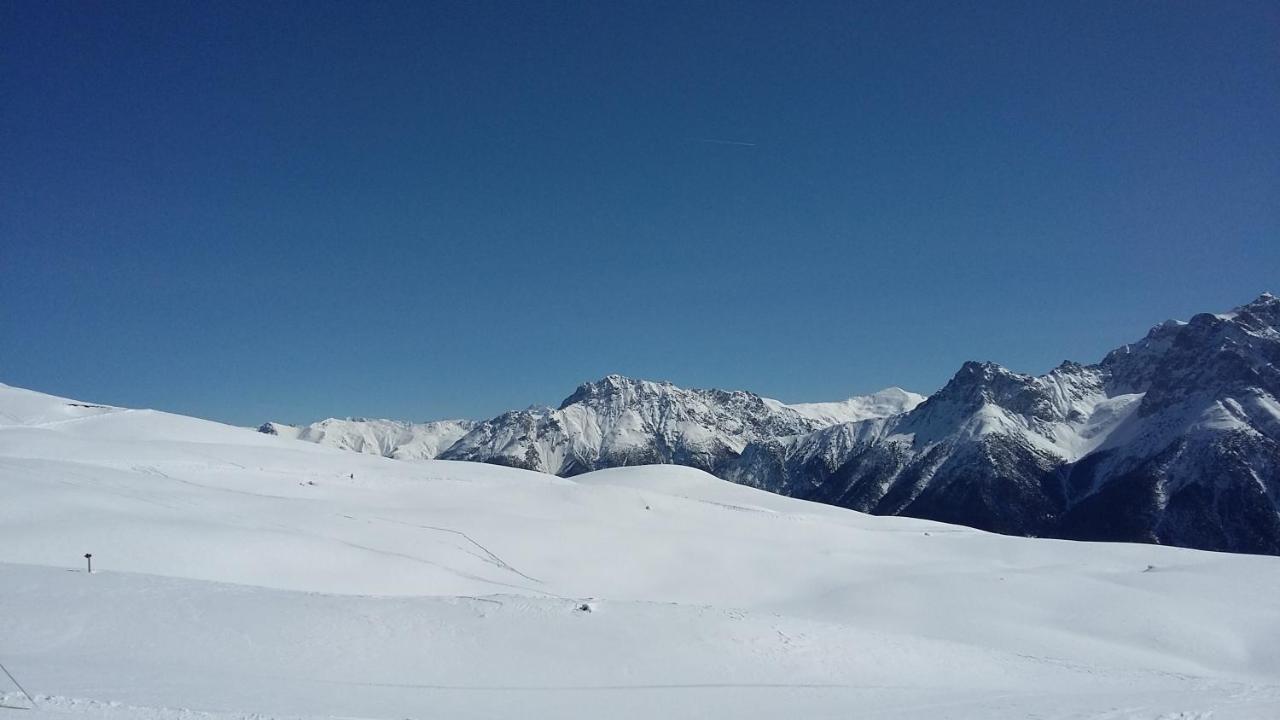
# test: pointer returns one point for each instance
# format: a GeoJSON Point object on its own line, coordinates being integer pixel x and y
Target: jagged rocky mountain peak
{"type": "Point", "coordinates": [1265, 302]}
{"type": "Point", "coordinates": [986, 383]}
{"type": "Point", "coordinates": [616, 387]}
{"type": "Point", "coordinates": [1174, 439]}
{"type": "Point", "coordinates": [1261, 315]}
{"type": "Point", "coordinates": [618, 420]}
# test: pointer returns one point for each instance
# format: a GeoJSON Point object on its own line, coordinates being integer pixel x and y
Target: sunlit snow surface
{"type": "Point", "coordinates": [243, 575]}
{"type": "Point", "coordinates": [388, 438]}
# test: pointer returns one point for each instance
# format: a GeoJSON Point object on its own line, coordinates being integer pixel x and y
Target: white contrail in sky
{"type": "Point", "coordinates": [723, 142]}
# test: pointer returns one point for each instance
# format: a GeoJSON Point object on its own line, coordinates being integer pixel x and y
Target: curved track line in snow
{"type": "Point", "coordinates": [424, 561]}
{"type": "Point", "coordinates": [492, 556]}
{"type": "Point", "coordinates": [248, 523]}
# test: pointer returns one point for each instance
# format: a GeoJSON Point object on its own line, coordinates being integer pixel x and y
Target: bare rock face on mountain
{"type": "Point", "coordinates": [619, 421]}
{"type": "Point", "coordinates": [1174, 439]}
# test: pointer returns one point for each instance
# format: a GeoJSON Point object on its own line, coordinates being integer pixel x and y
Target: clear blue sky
{"type": "Point", "coordinates": [251, 211]}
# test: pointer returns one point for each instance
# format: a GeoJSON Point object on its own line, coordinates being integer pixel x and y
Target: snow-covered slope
{"type": "Point", "coordinates": [1173, 439]}
{"type": "Point", "coordinates": [388, 438]}
{"type": "Point", "coordinates": [619, 421]}
{"type": "Point", "coordinates": [238, 575]}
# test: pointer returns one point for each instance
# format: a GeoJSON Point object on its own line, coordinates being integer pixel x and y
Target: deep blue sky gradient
{"type": "Point", "coordinates": [251, 211]}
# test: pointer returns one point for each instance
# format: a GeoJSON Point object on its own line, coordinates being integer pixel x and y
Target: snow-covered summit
{"type": "Point", "coordinates": [617, 421]}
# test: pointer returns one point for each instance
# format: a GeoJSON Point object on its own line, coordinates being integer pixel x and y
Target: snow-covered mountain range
{"type": "Point", "coordinates": [1173, 439]}
{"type": "Point", "coordinates": [619, 421]}
{"type": "Point", "coordinates": [612, 422]}
{"type": "Point", "coordinates": [388, 438]}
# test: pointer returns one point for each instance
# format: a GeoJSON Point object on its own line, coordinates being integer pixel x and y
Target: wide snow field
{"type": "Point", "coordinates": [241, 575]}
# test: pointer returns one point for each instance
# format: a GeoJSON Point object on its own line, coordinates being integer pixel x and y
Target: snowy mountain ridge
{"type": "Point", "coordinates": [388, 438]}
{"type": "Point", "coordinates": [611, 422]}
{"type": "Point", "coordinates": [618, 421]}
{"type": "Point", "coordinates": [1173, 439]}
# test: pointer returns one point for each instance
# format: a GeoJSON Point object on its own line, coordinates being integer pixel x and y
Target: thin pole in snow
{"type": "Point", "coordinates": [88, 558]}
{"type": "Point", "coordinates": [18, 685]}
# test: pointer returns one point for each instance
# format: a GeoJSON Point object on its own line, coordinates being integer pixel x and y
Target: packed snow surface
{"type": "Point", "coordinates": [244, 575]}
